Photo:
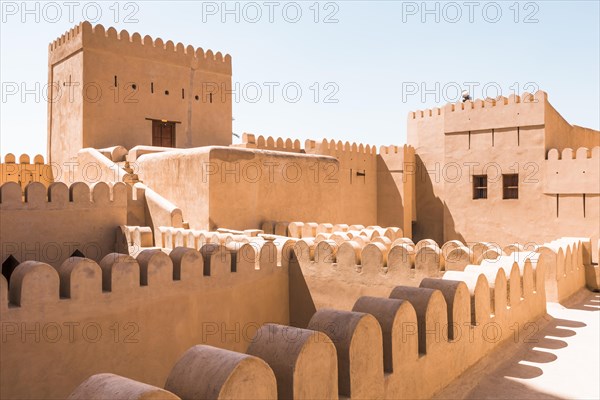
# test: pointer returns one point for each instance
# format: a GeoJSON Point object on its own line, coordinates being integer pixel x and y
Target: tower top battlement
{"type": "Point", "coordinates": [97, 37]}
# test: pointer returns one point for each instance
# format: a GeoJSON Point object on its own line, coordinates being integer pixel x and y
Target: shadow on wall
{"type": "Point", "coordinates": [302, 305]}
{"type": "Point", "coordinates": [430, 209]}
{"type": "Point", "coordinates": [390, 205]}
{"type": "Point", "coordinates": [449, 229]}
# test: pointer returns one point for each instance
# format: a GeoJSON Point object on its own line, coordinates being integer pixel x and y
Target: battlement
{"type": "Point", "coordinates": [85, 35]}
{"type": "Point", "coordinates": [339, 148]}
{"type": "Point", "coordinates": [581, 153]}
{"type": "Point", "coordinates": [249, 140]}
{"type": "Point", "coordinates": [572, 172]}
{"type": "Point", "coordinates": [25, 171]}
{"type": "Point", "coordinates": [138, 294]}
{"type": "Point", "coordinates": [34, 283]}
{"type": "Point", "coordinates": [481, 104]}
{"type": "Point", "coordinates": [407, 344]}
{"type": "Point", "coordinates": [10, 158]}
{"type": "Point", "coordinates": [376, 259]}
{"type": "Point", "coordinates": [60, 196]}
{"type": "Point", "coordinates": [250, 246]}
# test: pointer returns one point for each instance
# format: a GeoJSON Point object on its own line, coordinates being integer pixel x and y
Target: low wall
{"type": "Point", "coordinates": [338, 272]}
{"type": "Point", "coordinates": [407, 345]}
{"type": "Point", "coordinates": [130, 316]}
{"type": "Point", "coordinates": [49, 224]}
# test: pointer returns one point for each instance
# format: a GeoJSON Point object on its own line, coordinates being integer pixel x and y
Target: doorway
{"type": "Point", "coordinates": [163, 133]}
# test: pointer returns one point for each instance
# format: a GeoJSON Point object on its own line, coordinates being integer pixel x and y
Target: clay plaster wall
{"type": "Point", "coordinates": [129, 316]}
{"type": "Point", "coordinates": [282, 186]}
{"type": "Point", "coordinates": [408, 344]}
{"type": "Point", "coordinates": [425, 132]}
{"type": "Point", "coordinates": [49, 224]}
{"type": "Point", "coordinates": [25, 171]}
{"type": "Point", "coordinates": [109, 110]}
{"type": "Point", "coordinates": [495, 137]}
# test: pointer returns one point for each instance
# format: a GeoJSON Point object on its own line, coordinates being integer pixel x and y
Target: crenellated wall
{"type": "Point", "coordinates": [340, 268]}
{"type": "Point", "coordinates": [49, 224]}
{"type": "Point", "coordinates": [408, 344]}
{"type": "Point", "coordinates": [493, 138]}
{"type": "Point", "coordinates": [25, 171]}
{"type": "Point", "coordinates": [108, 86]}
{"type": "Point", "coordinates": [277, 185]}
{"type": "Point", "coordinates": [573, 172]}
{"type": "Point", "coordinates": [251, 141]}
{"type": "Point", "coordinates": [130, 316]}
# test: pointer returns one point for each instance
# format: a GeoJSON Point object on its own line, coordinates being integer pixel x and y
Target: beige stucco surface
{"type": "Point", "coordinates": [49, 224]}
{"type": "Point", "coordinates": [558, 195]}
{"type": "Point", "coordinates": [82, 318]}
{"type": "Point", "coordinates": [92, 71]}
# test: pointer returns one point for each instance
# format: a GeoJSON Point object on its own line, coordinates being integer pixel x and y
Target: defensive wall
{"type": "Point", "coordinates": [383, 347]}
{"type": "Point", "coordinates": [61, 325]}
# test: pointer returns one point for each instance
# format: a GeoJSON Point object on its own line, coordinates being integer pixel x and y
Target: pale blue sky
{"type": "Point", "coordinates": [378, 59]}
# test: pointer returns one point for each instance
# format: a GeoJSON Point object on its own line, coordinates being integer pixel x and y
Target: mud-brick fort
{"type": "Point", "coordinates": [147, 257]}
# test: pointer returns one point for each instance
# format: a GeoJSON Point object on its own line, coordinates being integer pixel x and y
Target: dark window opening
{"type": "Point", "coordinates": [166, 92]}
{"type": "Point", "coordinates": [210, 97]}
{"type": "Point", "coordinates": [183, 93]}
{"type": "Point", "coordinates": [479, 187]}
{"type": "Point", "coordinates": [134, 86]}
{"type": "Point", "coordinates": [115, 81]}
{"type": "Point", "coordinates": [510, 186]}
{"type": "Point", "coordinates": [8, 266]}
{"type": "Point", "coordinates": [197, 97]}
{"type": "Point", "coordinates": [151, 87]}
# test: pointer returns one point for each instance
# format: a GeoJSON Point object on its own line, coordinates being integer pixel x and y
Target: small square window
{"type": "Point", "coordinates": [479, 187]}
{"type": "Point", "coordinates": [510, 186]}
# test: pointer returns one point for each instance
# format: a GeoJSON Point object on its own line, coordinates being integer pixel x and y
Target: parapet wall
{"type": "Point", "coordinates": [86, 35]}
{"type": "Point", "coordinates": [572, 172]}
{"type": "Point", "coordinates": [251, 141]}
{"type": "Point", "coordinates": [118, 313]}
{"type": "Point", "coordinates": [482, 114]}
{"type": "Point", "coordinates": [406, 345]}
{"type": "Point", "coordinates": [341, 265]}
{"type": "Point", "coordinates": [26, 171]}
{"type": "Point", "coordinates": [49, 224]}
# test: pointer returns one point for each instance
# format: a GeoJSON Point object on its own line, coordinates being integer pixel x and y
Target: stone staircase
{"type": "Point", "coordinates": [131, 177]}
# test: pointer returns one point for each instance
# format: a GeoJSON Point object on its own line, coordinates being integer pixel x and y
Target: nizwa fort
{"type": "Point", "coordinates": [146, 256]}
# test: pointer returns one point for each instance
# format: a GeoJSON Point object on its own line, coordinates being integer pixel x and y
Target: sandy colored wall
{"type": "Point", "coordinates": [425, 132]}
{"type": "Point", "coordinates": [26, 170]}
{"type": "Point", "coordinates": [379, 352]}
{"type": "Point", "coordinates": [468, 219]}
{"type": "Point", "coordinates": [114, 113]}
{"type": "Point", "coordinates": [573, 171]}
{"type": "Point", "coordinates": [356, 178]}
{"type": "Point", "coordinates": [137, 327]}
{"type": "Point", "coordinates": [228, 182]}
{"type": "Point", "coordinates": [385, 197]}
{"type": "Point", "coordinates": [52, 223]}
{"type": "Point", "coordinates": [396, 172]}
{"type": "Point", "coordinates": [171, 174]}
{"type": "Point", "coordinates": [495, 137]}
{"type": "Point", "coordinates": [66, 110]}
{"type": "Point", "coordinates": [560, 134]}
